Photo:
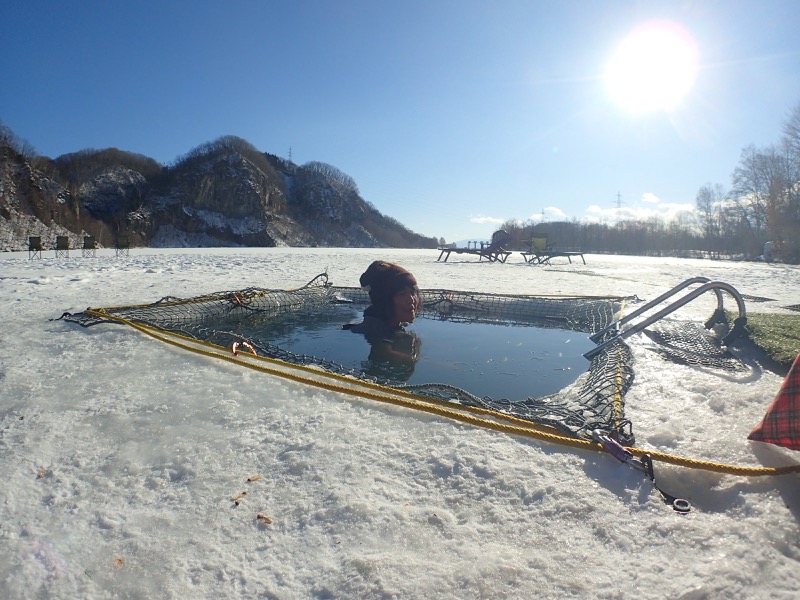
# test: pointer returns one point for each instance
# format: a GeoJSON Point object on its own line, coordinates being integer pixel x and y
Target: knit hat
{"type": "Point", "coordinates": [384, 279]}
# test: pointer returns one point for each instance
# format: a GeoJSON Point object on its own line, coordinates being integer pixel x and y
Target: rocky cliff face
{"type": "Point", "coordinates": [332, 213]}
{"type": "Point", "coordinates": [33, 203]}
{"type": "Point", "coordinates": [224, 194]}
{"type": "Point", "coordinates": [222, 200]}
{"type": "Point", "coordinates": [112, 192]}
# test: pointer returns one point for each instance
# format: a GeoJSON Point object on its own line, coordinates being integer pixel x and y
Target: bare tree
{"type": "Point", "coordinates": [333, 173]}
{"type": "Point", "coordinates": [752, 185]}
{"type": "Point", "coordinates": [791, 144]}
{"type": "Point", "coordinates": [710, 199]}
{"type": "Point", "coordinates": [791, 134]}
{"type": "Point", "coordinates": [18, 144]}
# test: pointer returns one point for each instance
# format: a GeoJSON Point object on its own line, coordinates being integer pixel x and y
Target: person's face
{"type": "Point", "coordinates": [404, 305]}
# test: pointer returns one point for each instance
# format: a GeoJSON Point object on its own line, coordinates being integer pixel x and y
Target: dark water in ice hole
{"type": "Point", "coordinates": [499, 360]}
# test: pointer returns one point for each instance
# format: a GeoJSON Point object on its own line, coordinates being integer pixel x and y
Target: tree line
{"type": "Point", "coordinates": [757, 216]}
{"type": "Point", "coordinates": [763, 203]}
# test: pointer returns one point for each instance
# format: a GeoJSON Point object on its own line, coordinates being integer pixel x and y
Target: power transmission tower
{"type": "Point", "coordinates": [619, 207]}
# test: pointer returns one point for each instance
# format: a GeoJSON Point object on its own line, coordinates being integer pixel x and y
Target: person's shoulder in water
{"type": "Point", "coordinates": [374, 328]}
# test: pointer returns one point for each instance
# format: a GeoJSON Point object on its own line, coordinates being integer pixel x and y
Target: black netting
{"type": "Point", "coordinates": [594, 401]}
{"type": "Point", "coordinates": [691, 344]}
{"type": "Point", "coordinates": [750, 298]}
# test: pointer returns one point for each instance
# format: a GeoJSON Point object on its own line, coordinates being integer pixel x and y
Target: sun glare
{"type": "Point", "coordinates": [653, 68]}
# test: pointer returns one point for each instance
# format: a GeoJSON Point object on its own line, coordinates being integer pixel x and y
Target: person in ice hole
{"type": "Point", "coordinates": [395, 300]}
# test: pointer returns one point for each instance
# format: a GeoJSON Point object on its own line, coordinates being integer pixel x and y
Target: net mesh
{"type": "Point", "coordinates": [691, 344]}
{"type": "Point", "coordinates": [594, 401]}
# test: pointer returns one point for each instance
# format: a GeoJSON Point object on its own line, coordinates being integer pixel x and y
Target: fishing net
{"type": "Point", "coordinates": [595, 401]}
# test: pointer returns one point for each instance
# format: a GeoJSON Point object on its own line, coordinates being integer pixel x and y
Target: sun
{"type": "Point", "coordinates": [653, 68]}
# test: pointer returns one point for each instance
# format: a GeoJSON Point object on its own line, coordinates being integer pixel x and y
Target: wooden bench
{"type": "Point", "coordinates": [493, 252]}
{"type": "Point", "coordinates": [490, 255]}
{"type": "Point", "coordinates": [540, 252]}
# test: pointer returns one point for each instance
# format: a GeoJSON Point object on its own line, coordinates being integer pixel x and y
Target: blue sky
{"type": "Point", "coordinates": [451, 116]}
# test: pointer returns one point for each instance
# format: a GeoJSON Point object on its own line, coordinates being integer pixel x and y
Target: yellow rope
{"type": "Point", "coordinates": [618, 400]}
{"type": "Point", "coordinates": [398, 397]}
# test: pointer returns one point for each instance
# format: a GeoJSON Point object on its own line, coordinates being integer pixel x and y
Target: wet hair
{"type": "Point", "coordinates": [383, 280]}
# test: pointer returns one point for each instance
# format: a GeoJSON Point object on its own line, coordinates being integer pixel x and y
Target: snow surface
{"type": "Point", "coordinates": [121, 455]}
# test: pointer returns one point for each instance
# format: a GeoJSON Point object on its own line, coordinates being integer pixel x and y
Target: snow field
{"type": "Point", "coordinates": [122, 456]}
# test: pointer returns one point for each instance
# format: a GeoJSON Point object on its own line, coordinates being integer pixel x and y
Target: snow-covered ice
{"type": "Point", "coordinates": [120, 455]}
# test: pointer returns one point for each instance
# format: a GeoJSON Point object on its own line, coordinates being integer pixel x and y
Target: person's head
{"type": "Point", "coordinates": [393, 292]}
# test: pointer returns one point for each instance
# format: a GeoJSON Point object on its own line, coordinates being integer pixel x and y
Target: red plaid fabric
{"type": "Point", "coordinates": [781, 424]}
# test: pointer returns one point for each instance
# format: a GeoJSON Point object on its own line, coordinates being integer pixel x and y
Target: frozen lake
{"type": "Point", "coordinates": [121, 455]}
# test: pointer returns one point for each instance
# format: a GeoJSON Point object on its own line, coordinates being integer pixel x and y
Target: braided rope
{"type": "Point", "coordinates": [499, 421]}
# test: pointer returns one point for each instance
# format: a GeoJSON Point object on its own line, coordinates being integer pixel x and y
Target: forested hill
{"type": "Point", "coordinates": [223, 193]}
